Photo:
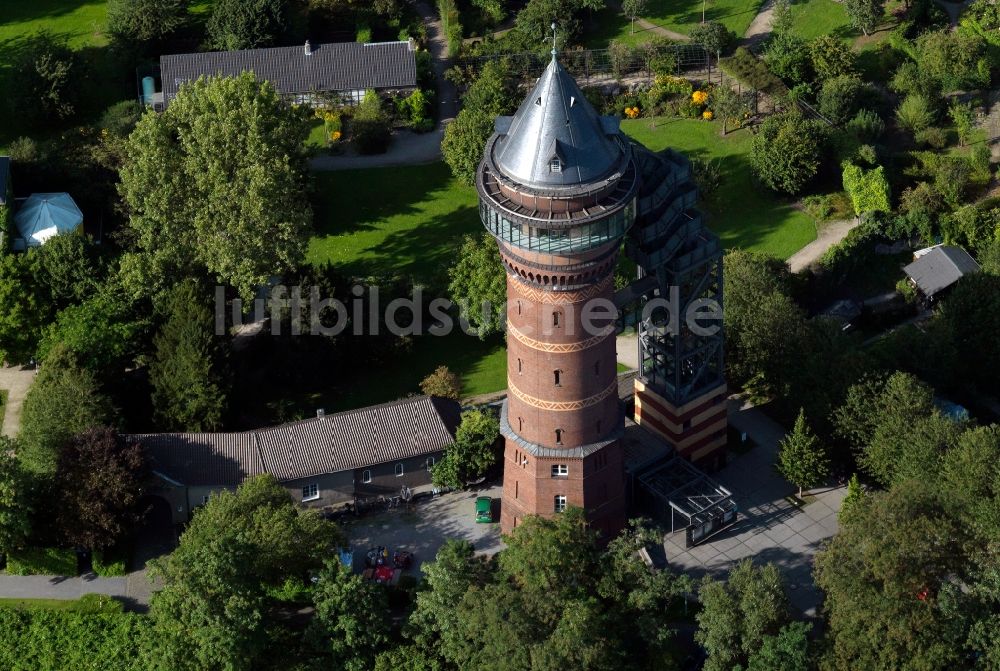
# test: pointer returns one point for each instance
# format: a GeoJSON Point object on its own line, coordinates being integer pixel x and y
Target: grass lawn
{"type": "Point", "coordinates": [80, 22]}
{"type": "Point", "coordinates": [88, 603]}
{"type": "Point", "coordinates": [813, 18]}
{"type": "Point", "coordinates": [317, 134]}
{"type": "Point", "coordinates": [406, 221]}
{"type": "Point", "coordinates": [740, 213]}
{"type": "Point", "coordinates": [610, 24]}
{"type": "Point", "coordinates": [683, 15]}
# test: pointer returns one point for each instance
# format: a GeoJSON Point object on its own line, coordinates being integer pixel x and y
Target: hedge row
{"type": "Point", "coordinates": [43, 639]}
{"type": "Point", "coordinates": [42, 561]}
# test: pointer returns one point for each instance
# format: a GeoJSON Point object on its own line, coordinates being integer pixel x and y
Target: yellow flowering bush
{"type": "Point", "coordinates": [632, 112]}
{"type": "Point", "coordinates": [699, 97]}
{"type": "Point", "coordinates": [707, 115]}
{"type": "Point", "coordinates": [335, 135]}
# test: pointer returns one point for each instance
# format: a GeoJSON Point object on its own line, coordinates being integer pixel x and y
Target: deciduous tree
{"type": "Point", "coordinates": [442, 382]}
{"type": "Point", "coordinates": [350, 622]}
{"type": "Point", "coordinates": [633, 9]}
{"type": "Point", "coordinates": [47, 78]}
{"type": "Point", "coordinates": [478, 284]}
{"type": "Point", "coordinates": [865, 15]}
{"type": "Point", "coordinates": [473, 451]}
{"type": "Point", "coordinates": [101, 477]}
{"type": "Point", "coordinates": [216, 186]}
{"type": "Point", "coordinates": [245, 24]}
{"type": "Point", "coordinates": [785, 155]}
{"type": "Point", "coordinates": [15, 510]}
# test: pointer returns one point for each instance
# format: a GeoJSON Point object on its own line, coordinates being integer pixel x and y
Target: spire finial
{"type": "Point", "coordinates": [554, 40]}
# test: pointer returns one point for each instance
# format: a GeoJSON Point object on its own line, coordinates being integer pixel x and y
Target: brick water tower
{"type": "Point", "coordinates": [557, 187]}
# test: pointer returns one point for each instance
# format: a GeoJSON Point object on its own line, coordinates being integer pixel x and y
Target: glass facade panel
{"type": "Point", "coordinates": [576, 239]}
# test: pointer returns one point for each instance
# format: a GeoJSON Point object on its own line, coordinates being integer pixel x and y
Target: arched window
{"type": "Point", "coordinates": [559, 433]}
{"type": "Point", "coordinates": [555, 318]}
{"type": "Point", "coordinates": [520, 366]}
{"type": "Point", "coordinates": [557, 374]}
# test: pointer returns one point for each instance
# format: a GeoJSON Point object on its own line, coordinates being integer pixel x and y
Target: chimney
{"type": "Point", "coordinates": [308, 49]}
{"type": "Point", "coordinates": [320, 413]}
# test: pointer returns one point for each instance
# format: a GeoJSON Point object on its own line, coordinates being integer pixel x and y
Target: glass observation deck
{"type": "Point", "coordinates": [542, 237]}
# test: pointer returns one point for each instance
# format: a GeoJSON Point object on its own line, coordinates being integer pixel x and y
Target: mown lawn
{"type": "Point", "coordinates": [405, 221]}
{"type": "Point", "coordinates": [610, 24]}
{"type": "Point", "coordinates": [740, 213]}
{"type": "Point", "coordinates": [683, 15]}
{"type": "Point", "coordinates": [813, 18]}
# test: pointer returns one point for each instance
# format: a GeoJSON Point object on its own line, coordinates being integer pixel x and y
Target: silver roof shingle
{"type": "Point", "coordinates": [939, 268]}
{"type": "Point", "coordinates": [340, 66]}
{"type": "Point", "coordinates": [344, 441]}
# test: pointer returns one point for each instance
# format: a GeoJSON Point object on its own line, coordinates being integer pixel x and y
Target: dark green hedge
{"type": "Point", "coordinates": [42, 561]}
{"type": "Point", "coordinates": [41, 639]}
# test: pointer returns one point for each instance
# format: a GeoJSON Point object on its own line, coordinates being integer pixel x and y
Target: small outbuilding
{"type": "Point", "coordinates": [46, 215]}
{"type": "Point", "coordinates": [936, 269]}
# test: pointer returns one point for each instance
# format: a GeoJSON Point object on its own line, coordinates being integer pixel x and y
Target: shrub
{"type": "Point", "coordinates": [868, 189]}
{"type": "Point", "coordinates": [979, 162]}
{"type": "Point", "coordinates": [831, 57]}
{"type": "Point", "coordinates": [42, 561]}
{"type": "Point", "coordinates": [839, 97]}
{"type": "Point", "coordinates": [24, 150]}
{"type": "Point", "coordinates": [371, 127]}
{"type": "Point", "coordinates": [867, 126]}
{"type": "Point", "coordinates": [786, 153]}
{"type": "Point", "coordinates": [915, 113]}
{"type": "Point", "coordinates": [867, 154]}
{"type": "Point", "coordinates": [660, 57]}
{"type": "Point", "coordinates": [951, 179]}
{"type": "Point", "coordinates": [787, 56]}
{"type": "Point", "coordinates": [363, 35]}
{"type": "Point", "coordinates": [963, 118]}
{"type": "Point", "coordinates": [414, 110]}
{"type": "Point", "coordinates": [147, 22]}
{"type": "Point", "coordinates": [921, 198]}
{"type": "Point", "coordinates": [245, 24]}
{"type": "Point", "coordinates": [907, 291]}
{"type": "Point", "coordinates": [49, 639]}
{"type": "Point", "coordinates": [46, 80]}
{"type": "Point", "coordinates": [442, 382]}
{"type": "Point", "coordinates": [752, 72]}
{"type": "Point", "coordinates": [714, 36]}
{"type": "Point", "coordinates": [110, 563]}
{"type": "Point", "coordinates": [451, 25]}
{"type": "Point", "coordinates": [933, 137]}
{"type": "Point", "coordinates": [707, 175]}
{"type": "Point", "coordinates": [827, 206]}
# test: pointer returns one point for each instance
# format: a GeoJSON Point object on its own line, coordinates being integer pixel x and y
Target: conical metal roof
{"type": "Point", "coordinates": [556, 139]}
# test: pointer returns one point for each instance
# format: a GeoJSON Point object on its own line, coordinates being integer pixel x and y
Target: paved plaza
{"type": "Point", "coordinates": [769, 528]}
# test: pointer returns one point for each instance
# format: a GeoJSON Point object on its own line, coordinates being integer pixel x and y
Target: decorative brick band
{"type": "Point", "coordinates": [561, 297]}
{"type": "Point", "coordinates": [560, 348]}
{"type": "Point", "coordinates": [562, 406]}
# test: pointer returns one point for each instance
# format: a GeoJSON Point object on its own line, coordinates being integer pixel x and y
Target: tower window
{"type": "Point", "coordinates": [519, 307]}
{"type": "Point", "coordinates": [558, 376]}
{"type": "Point", "coordinates": [519, 366]}
{"type": "Point", "coordinates": [555, 165]}
{"type": "Point", "coordinates": [555, 318]}
{"type": "Point", "coordinates": [559, 433]}
{"type": "Point", "coordinates": [520, 423]}
{"type": "Point", "coordinates": [559, 503]}
{"type": "Point", "coordinates": [597, 368]}
{"type": "Point", "coordinates": [598, 427]}
{"type": "Point", "coordinates": [560, 470]}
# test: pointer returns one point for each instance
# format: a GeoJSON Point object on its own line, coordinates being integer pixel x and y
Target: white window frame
{"type": "Point", "coordinates": [312, 486]}
{"type": "Point", "coordinates": [366, 476]}
{"type": "Point", "coordinates": [559, 503]}
{"type": "Point", "coordinates": [560, 470]}
{"type": "Point", "coordinates": [430, 463]}
{"type": "Point", "coordinates": [400, 470]}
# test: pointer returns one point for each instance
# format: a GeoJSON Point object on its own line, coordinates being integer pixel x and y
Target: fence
{"type": "Point", "coordinates": [591, 67]}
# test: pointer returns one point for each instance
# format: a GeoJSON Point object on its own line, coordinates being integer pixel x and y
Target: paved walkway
{"type": "Point", "coordinates": [59, 587]}
{"type": "Point", "coordinates": [628, 350]}
{"type": "Point", "coordinates": [410, 148]}
{"type": "Point", "coordinates": [15, 381]}
{"type": "Point", "coordinates": [760, 28]}
{"type": "Point", "coordinates": [829, 235]}
{"type": "Point", "coordinates": [769, 528]}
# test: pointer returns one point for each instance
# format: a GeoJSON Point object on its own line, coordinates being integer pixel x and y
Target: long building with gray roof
{"type": "Point", "coordinates": [322, 461]}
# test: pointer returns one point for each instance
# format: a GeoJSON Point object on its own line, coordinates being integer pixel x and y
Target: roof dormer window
{"type": "Point", "coordinates": [555, 164]}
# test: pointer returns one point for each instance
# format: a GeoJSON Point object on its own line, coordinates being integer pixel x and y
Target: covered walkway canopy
{"type": "Point", "coordinates": [45, 215]}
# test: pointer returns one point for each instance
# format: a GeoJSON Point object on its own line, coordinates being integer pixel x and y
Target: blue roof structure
{"type": "Point", "coordinates": [44, 215]}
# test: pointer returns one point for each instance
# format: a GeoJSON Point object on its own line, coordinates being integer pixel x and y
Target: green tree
{"type": "Point", "coordinates": [63, 401]}
{"type": "Point", "coordinates": [865, 15]}
{"type": "Point", "coordinates": [840, 97]}
{"type": "Point", "coordinates": [854, 494]}
{"type": "Point", "coordinates": [350, 623]}
{"type": "Point", "coordinates": [478, 284]}
{"type": "Point", "coordinates": [442, 382]}
{"type": "Point", "coordinates": [101, 332]}
{"type": "Point", "coordinates": [728, 106]}
{"type": "Point", "coordinates": [216, 185]}
{"type": "Point", "coordinates": [788, 650]}
{"type": "Point", "coordinates": [46, 79]}
{"type": "Point", "coordinates": [15, 509]}
{"type": "Point", "coordinates": [70, 268]}
{"type": "Point", "coordinates": [868, 189]}
{"type": "Point", "coordinates": [145, 22]}
{"type": "Point", "coordinates": [101, 478]}
{"type": "Point", "coordinates": [801, 457]}
{"type": "Point", "coordinates": [952, 60]}
{"type": "Point", "coordinates": [533, 24]}
{"type": "Point", "coordinates": [490, 96]}
{"type": "Point", "coordinates": [832, 57]}
{"type": "Point", "coordinates": [215, 608]}
{"type": "Point", "coordinates": [188, 393]}
{"type": "Point", "coordinates": [968, 317]}
{"type": "Point", "coordinates": [738, 615]}
{"type": "Point", "coordinates": [782, 19]}
{"type": "Point", "coordinates": [245, 24]}
{"type": "Point", "coordinates": [633, 9]}
{"type": "Point", "coordinates": [786, 153]}
{"type": "Point", "coordinates": [714, 36]}
{"type": "Point", "coordinates": [472, 453]}
{"type": "Point", "coordinates": [915, 113]}
{"type": "Point", "coordinates": [371, 126]}
{"type": "Point", "coordinates": [787, 56]}
{"type": "Point", "coordinates": [25, 308]}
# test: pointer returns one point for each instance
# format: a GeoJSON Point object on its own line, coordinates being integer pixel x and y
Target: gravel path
{"type": "Point", "coordinates": [410, 148]}
{"type": "Point", "coordinates": [832, 233]}
{"type": "Point", "coordinates": [15, 381]}
{"type": "Point", "coordinates": [760, 27]}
